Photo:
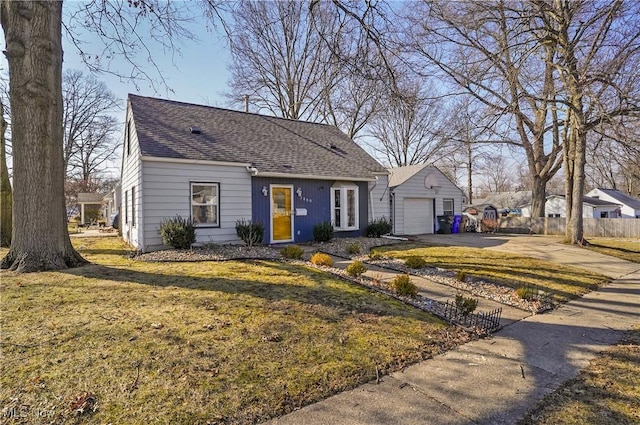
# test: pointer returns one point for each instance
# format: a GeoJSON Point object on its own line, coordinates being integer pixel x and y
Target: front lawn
{"type": "Point", "coordinates": [621, 248]}
{"type": "Point", "coordinates": [607, 392]}
{"type": "Point", "coordinates": [207, 342]}
{"type": "Point", "coordinates": [511, 270]}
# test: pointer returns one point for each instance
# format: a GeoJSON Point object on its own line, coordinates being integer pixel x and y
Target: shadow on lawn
{"type": "Point", "coordinates": [322, 289]}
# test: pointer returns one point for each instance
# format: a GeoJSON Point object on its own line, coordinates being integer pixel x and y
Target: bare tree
{"type": "Point", "coordinates": [6, 222]}
{"type": "Point", "coordinates": [33, 36]}
{"type": "Point", "coordinates": [39, 239]}
{"type": "Point", "coordinates": [486, 50]}
{"type": "Point", "coordinates": [276, 57]}
{"type": "Point", "coordinates": [409, 129]}
{"type": "Point", "coordinates": [88, 108]}
{"type": "Point", "coordinates": [599, 49]}
{"type": "Point", "coordinates": [497, 177]}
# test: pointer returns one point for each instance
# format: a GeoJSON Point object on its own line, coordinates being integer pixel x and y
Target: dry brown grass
{"type": "Point", "coordinates": [607, 392]}
{"type": "Point", "coordinates": [621, 248]}
{"type": "Point", "coordinates": [563, 282]}
{"type": "Point", "coordinates": [209, 342]}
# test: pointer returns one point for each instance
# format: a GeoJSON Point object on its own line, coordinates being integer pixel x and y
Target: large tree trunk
{"type": "Point", "coordinates": [5, 187]}
{"type": "Point", "coordinates": [538, 196]}
{"type": "Point", "coordinates": [40, 240]}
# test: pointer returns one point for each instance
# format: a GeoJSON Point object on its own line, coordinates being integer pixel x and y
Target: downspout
{"type": "Point", "coordinates": [373, 216]}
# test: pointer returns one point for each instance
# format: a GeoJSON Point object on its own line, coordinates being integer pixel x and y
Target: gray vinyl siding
{"type": "Point", "coordinates": [132, 177]}
{"type": "Point", "coordinates": [167, 192]}
{"type": "Point", "coordinates": [379, 199]}
{"type": "Point", "coordinates": [414, 187]}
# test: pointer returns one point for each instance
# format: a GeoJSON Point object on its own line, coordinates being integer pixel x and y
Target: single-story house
{"type": "Point", "coordinates": [508, 203]}
{"type": "Point", "coordinates": [591, 208]}
{"type": "Point", "coordinates": [218, 166]}
{"type": "Point", "coordinates": [417, 195]}
{"type": "Point", "coordinates": [629, 206]}
{"type": "Point", "coordinates": [110, 204]}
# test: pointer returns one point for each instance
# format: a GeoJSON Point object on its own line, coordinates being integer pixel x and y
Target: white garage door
{"type": "Point", "coordinates": [418, 216]}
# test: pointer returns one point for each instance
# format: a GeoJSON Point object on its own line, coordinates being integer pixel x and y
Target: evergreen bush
{"type": "Point", "coordinates": [177, 232]}
{"type": "Point", "coordinates": [323, 232]}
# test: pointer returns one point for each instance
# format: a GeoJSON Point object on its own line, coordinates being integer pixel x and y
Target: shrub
{"type": "Point", "coordinates": [293, 252]}
{"type": "Point", "coordinates": [251, 233]}
{"type": "Point", "coordinates": [415, 262]}
{"type": "Point", "coordinates": [353, 248]}
{"type": "Point", "coordinates": [177, 232]}
{"type": "Point", "coordinates": [525, 292]}
{"type": "Point", "coordinates": [322, 259]}
{"type": "Point", "coordinates": [375, 255]}
{"type": "Point", "coordinates": [403, 286]}
{"type": "Point", "coordinates": [356, 268]}
{"type": "Point", "coordinates": [378, 227]}
{"type": "Point", "coordinates": [461, 276]}
{"type": "Point", "coordinates": [466, 305]}
{"type": "Point", "coordinates": [323, 232]}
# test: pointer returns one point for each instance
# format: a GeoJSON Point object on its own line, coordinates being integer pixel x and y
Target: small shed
{"type": "Point", "coordinates": [418, 194]}
{"type": "Point", "coordinates": [482, 218]}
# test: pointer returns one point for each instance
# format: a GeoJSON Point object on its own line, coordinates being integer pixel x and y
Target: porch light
{"type": "Point", "coordinates": [265, 191]}
{"type": "Point", "coordinates": [299, 192]}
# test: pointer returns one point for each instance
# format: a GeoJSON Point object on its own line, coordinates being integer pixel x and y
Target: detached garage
{"type": "Point", "coordinates": [418, 194]}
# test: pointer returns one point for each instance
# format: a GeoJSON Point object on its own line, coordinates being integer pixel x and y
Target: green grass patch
{"type": "Point", "coordinates": [624, 249]}
{"type": "Point", "coordinates": [607, 392]}
{"type": "Point", "coordinates": [206, 342]}
{"type": "Point", "coordinates": [507, 269]}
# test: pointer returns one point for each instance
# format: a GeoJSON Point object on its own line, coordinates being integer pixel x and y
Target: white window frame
{"type": "Point", "coordinates": [344, 216]}
{"type": "Point", "coordinates": [444, 210]}
{"type": "Point", "coordinates": [216, 203]}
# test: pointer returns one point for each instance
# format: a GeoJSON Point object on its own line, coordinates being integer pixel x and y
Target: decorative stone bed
{"type": "Point", "coordinates": [339, 247]}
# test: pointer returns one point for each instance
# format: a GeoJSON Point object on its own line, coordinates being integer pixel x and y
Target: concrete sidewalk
{"type": "Point", "coordinates": [498, 379]}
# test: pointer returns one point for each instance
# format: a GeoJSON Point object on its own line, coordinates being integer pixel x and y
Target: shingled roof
{"type": "Point", "coordinates": [271, 145]}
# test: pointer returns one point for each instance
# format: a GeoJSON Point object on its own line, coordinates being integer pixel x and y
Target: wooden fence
{"type": "Point", "coordinates": [593, 227]}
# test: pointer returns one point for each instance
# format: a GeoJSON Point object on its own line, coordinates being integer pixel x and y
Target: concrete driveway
{"type": "Point", "coordinates": [547, 248]}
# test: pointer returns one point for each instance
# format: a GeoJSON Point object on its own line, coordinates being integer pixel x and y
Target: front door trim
{"type": "Point", "coordinates": [271, 212]}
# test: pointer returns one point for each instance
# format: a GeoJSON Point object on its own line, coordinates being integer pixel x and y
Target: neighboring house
{"type": "Point", "coordinates": [418, 194]}
{"type": "Point", "coordinates": [508, 203]}
{"type": "Point", "coordinates": [629, 207]}
{"type": "Point", "coordinates": [591, 208]}
{"type": "Point", "coordinates": [89, 200]}
{"type": "Point", "coordinates": [110, 204]}
{"type": "Point", "coordinates": [219, 166]}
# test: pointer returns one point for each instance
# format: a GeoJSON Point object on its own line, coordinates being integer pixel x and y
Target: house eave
{"type": "Point", "coordinates": [192, 161]}
{"type": "Point", "coordinates": [313, 177]}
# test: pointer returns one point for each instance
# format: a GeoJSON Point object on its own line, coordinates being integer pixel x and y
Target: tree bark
{"type": "Point", "coordinates": [5, 187]}
{"type": "Point", "coordinates": [40, 240]}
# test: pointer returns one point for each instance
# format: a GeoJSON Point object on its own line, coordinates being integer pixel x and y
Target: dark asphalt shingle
{"type": "Point", "coordinates": [270, 144]}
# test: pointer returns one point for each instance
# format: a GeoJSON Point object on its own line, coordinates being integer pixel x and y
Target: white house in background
{"type": "Point", "coordinates": [93, 200]}
{"type": "Point", "coordinates": [418, 194]}
{"type": "Point", "coordinates": [591, 208]}
{"type": "Point", "coordinates": [629, 207]}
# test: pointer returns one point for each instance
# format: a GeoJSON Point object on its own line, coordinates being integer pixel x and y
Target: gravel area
{"type": "Point", "coordinates": [346, 247]}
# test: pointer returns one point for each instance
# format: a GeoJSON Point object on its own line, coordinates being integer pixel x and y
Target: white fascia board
{"type": "Point", "coordinates": [314, 177]}
{"type": "Point", "coordinates": [193, 161]}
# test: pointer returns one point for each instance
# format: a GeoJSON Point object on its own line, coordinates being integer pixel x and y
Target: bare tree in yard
{"type": "Point", "coordinates": [34, 52]}
{"type": "Point", "coordinates": [409, 129]}
{"type": "Point", "coordinates": [6, 222]}
{"type": "Point", "coordinates": [276, 57]}
{"type": "Point", "coordinates": [599, 49]}
{"type": "Point", "coordinates": [486, 50]}
{"type": "Point", "coordinates": [87, 122]}
{"type": "Point", "coordinates": [33, 33]}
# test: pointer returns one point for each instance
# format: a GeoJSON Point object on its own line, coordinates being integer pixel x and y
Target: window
{"type": "Point", "coordinates": [604, 214]}
{"type": "Point", "coordinates": [205, 207]}
{"type": "Point", "coordinates": [447, 206]}
{"type": "Point", "coordinates": [133, 206]}
{"type": "Point", "coordinates": [344, 207]}
{"type": "Point", "coordinates": [126, 207]}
